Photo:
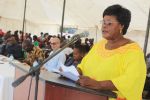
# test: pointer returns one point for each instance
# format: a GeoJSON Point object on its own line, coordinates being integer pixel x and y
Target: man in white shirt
{"type": "Point", "coordinates": [55, 62]}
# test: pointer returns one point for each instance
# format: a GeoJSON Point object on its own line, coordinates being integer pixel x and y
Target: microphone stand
{"type": "Point", "coordinates": [36, 70]}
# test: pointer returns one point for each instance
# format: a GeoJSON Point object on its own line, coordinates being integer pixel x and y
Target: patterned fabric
{"type": "Point", "coordinates": [124, 66]}
{"type": "Point", "coordinates": [35, 54]}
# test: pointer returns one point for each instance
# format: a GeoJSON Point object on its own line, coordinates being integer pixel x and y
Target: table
{"type": "Point", "coordinates": [54, 87]}
{"type": "Point", "coordinates": [7, 74]}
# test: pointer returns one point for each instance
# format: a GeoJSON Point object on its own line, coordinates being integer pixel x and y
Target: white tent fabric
{"type": "Point", "coordinates": [45, 15]}
{"type": "Point", "coordinates": [80, 13]}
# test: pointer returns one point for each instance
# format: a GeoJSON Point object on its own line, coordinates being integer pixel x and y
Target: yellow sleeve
{"type": "Point", "coordinates": [90, 53]}
{"type": "Point", "coordinates": [130, 84]}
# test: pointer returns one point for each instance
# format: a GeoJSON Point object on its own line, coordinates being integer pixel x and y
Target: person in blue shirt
{"type": "Point", "coordinates": [55, 62]}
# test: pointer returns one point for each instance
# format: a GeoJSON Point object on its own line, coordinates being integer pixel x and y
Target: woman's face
{"type": "Point", "coordinates": [111, 27]}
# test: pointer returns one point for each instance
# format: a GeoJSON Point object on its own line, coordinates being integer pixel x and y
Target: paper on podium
{"type": "Point", "coordinates": [69, 72]}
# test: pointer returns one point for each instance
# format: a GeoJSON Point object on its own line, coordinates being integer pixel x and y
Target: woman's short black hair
{"type": "Point", "coordinates": [122, 15]}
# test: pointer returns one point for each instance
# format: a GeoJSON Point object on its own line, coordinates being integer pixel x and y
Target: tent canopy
{"type": "Point", "coordinates": [45, 15]}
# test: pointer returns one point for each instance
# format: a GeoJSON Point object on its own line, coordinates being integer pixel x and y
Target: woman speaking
{"type": "Point", "coordinates": [115, 63]}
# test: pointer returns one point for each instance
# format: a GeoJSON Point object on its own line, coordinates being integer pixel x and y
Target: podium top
{"type": "Point", "coordinates": [56, 79]}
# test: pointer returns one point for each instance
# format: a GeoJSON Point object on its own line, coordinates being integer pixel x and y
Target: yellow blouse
{"type": "Point", "coordinates": [124, 66]}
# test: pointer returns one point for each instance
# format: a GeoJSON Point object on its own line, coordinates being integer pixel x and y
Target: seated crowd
{"type": "Point", "coordinates": [29, 49]}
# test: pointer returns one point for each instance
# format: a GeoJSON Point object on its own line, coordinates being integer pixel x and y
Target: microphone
{"type": "Point", "coordinates": [81, 35]}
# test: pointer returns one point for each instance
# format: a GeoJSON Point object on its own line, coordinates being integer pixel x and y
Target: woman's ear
{"type": "Point", "coordinates": [121, 28]}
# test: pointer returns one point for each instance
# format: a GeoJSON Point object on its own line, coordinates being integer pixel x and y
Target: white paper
{"type": "Point", "coordinates": [69, 72]}
{"type": "Point", "coordinates": [70, 76]}
{"type": "Point", "coordinates": [70, 69]}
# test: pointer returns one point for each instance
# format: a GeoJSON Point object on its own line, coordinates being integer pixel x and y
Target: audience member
{"type": "Point", "coordinates": [79, 51]}
{"type": "Point", "coordinates": [32, 53]}
{"type": "Point", "coordinates": [55, 62]}
{"type": "Point", "coordinates": [13, 48]}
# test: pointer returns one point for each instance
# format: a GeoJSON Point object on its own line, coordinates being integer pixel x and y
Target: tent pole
{"type": "Point", "coordinates": [96, 31]}
{"type": "Point", "coordinates": [62, 22]}
{"type": "Point", "coordinates": [24, 19]}
{"type": "Point", "coordinates": [147, 35]}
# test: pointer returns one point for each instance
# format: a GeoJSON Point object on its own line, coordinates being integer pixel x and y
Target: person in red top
{"type": "Point", "coordinates": [1, 33]}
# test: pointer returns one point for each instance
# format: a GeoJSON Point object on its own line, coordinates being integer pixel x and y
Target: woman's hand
{"type": "Point", "coordinates": [93, 84]}
{"type": "Point", "coordinates": [88, 82]}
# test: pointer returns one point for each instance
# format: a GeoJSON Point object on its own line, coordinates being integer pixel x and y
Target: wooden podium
{"type": "Point", "coordinates": [53, 87]}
